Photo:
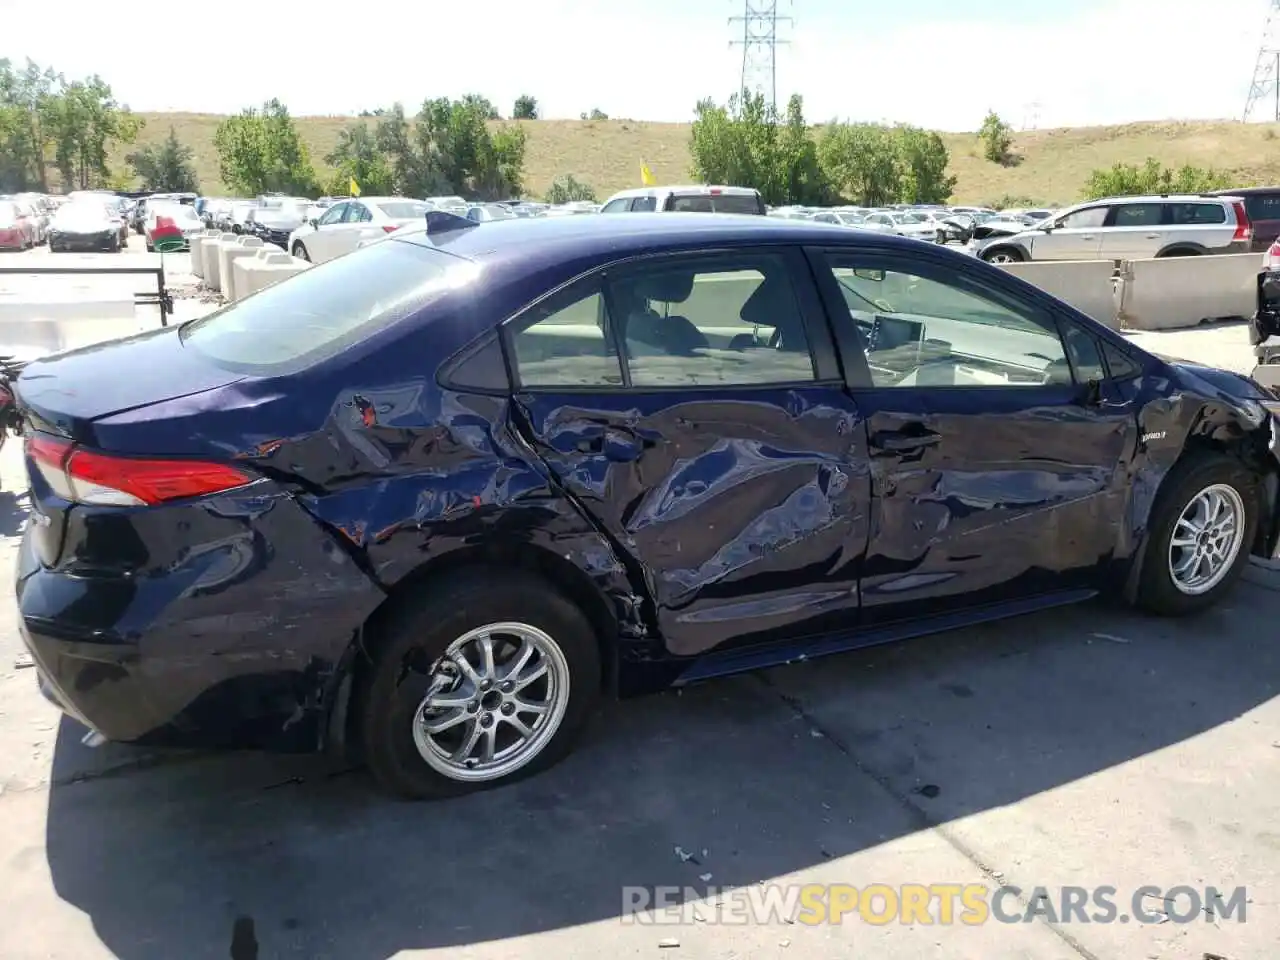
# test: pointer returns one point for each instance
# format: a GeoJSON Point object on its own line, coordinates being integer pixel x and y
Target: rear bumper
{"type": "Point", "coordinates": [236, 644]}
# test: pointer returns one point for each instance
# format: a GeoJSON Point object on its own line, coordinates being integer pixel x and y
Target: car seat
{"type": "Point", "coordinates": [773, 304]}
{"type": "Point", "coordinates": [673, 334]}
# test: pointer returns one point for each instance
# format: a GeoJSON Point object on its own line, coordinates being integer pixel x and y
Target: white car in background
{"type": "Point", "coordinates": [905, 224]}
{"type": "Point", "coordinates": [855, 220]}
{"type": "Point", "coordinates": [342, 227]}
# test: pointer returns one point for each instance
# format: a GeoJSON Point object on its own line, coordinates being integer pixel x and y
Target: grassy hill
{"type": "Point", "coordinates": [1052, 164]}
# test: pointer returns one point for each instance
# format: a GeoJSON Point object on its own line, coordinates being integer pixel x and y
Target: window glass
{"type": "Point", "coordinates": [720, 203]}
{"type": "Point", "coordinates": [644, 205]}
{"type": "Point", "coordinates": [1088, 219]}
{"type": "Point", "coordinates": [1197, 213]}
{"type": "Point", "coordinates": [1138, 215]}
{"type": "Point", "coordinates": [1263, 207]}
{"type": "Point", "coordinates": [1119, 364]}
{"type": "Point", "coordinates": [404, 209]}
{"type": "Point", "coordinates": [698, 322]}
{"type": "Point", "coordinates": [1083, 350]}
{"type": "Point", "coordinates": [621, 205]}
{"type": "Point", "coordinates": [562, 342]}
{"type": "Point", "coordinates": [357, 213]}
{"type": "Point", "coordinates": [923, 332]}
{"type": "Point", "coordinates": [327, 308]}
{"type": "Point", "coordinates": [334, 214]}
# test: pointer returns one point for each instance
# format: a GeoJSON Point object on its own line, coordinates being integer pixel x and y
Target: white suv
{"type": "Point", "coordinates": [1131, 228]}
{"type": "Point", "coordinates": [691, 199]}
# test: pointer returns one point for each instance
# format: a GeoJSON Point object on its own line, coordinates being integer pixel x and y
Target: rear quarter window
{"type": "Point", "coordinates": [326, 309]}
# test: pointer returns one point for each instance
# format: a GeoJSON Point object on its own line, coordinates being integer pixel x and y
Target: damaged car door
{"type": "Point", "coordinates": [692, 405]}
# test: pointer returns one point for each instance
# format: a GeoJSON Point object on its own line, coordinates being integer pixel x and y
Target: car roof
{"type": "Point", "coordinates": [700, 189]}
{"type": "Point", "coordinates": [601, 239]}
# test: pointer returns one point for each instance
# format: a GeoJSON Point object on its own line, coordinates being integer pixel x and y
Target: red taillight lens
{"type": "Point", "coordinates": [165, 225]}
{"type": "Point", "coordinates": [390, 227]}
{"type": "Point", "coordinates": [86, 476]}
{"type": "Point", "coordinates": [1244, 226]}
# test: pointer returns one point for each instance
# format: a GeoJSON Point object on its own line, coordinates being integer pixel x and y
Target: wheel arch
{"type": "Point", "coordinates": [999, 245]}
{"type": "Point", "coordinates": [558, 572]}
{"type": "Point", "coordinates": [1182, 249]}
{"type": "Point", "coordinates": [1207, 428]}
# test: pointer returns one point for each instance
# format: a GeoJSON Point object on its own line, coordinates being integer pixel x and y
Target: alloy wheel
{"type": "Point", "coordinates": [1207, 538]}
{"type": "Point", "coordinates": [495, 701]}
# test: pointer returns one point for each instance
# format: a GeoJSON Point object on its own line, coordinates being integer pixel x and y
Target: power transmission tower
{"type": "Point", "coordinates": [759, 41]}
{"type": "Point", "coordinates": [1266, 72]}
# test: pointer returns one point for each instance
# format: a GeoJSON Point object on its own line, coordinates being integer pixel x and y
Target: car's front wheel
{"type": "Point", "coordinates": [484, 679]}
{"type": "Point", "coordinates": [1004, 255]}
{"type": "Point", "coordinates": [1200, 533]}
{"type": "Point", "coordinates": [300, 251]}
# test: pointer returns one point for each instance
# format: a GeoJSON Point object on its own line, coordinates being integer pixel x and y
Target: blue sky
{"type": "Point", "coordinates": [936, 63]}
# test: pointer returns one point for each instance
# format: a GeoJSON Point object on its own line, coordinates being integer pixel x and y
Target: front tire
{"type": "Point", "coordinates": [1200, 533]}
{"type": "Point", "coordinates": [300, 252]}
{"type": "Point", "coordinates": [484, 679]}
{"type": "Point", "coordinates": [1003, 255]}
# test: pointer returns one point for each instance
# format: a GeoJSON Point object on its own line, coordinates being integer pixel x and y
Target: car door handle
{"type": "Point", "coordinates": [897, 441]}
{"type": "Point", "coordinates": [1154, 236]}
{"type": "Point", "coordinates": [1087, 236]}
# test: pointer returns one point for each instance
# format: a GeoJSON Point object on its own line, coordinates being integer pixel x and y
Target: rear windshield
{"type": "Point", "coordinates": [404, 209]}
{"type": "Point", "coordinates": [325, 309]}
{"type": "Point", "coordinates": [1263, 207]}
{"type": "Point", "coordinates": [723, 203]}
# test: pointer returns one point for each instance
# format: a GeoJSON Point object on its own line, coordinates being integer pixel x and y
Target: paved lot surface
{"type": "Point", "coordinates": [1082, 747]}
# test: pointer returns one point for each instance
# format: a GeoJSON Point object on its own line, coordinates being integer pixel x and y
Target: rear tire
{"type": "Point", "coordinates": [419, 651]}
{"type": "Point", "coordinates": [1186, 497]}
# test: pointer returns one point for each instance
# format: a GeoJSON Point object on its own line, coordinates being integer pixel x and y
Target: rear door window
{"type": "Point", "coordinates": [1137, 215]}
{"type": "Point", "coordinates": [325, 309]}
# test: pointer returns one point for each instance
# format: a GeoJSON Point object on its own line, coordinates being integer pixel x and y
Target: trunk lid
{"type": "Point", "coordinates": [67, 393]}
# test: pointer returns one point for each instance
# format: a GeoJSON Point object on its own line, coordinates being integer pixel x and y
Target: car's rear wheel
{"type": "Point", "coordinates": [483, 680]}
{"type": "Point", "coordinates": [1200, 533]}
{"type": "Point", "coordinates": [1004, 255]}
{"type": "Point", "coordinates": [300, 252]}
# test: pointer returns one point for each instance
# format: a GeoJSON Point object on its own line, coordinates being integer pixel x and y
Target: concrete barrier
{"type": "Point", "coordinates": [1175, 292]}
{"type": "Point", "coordinates": [30, 327]}
{"type": "Point", "coordinates": [228, 253]}
{"type": "Point", "coordinates": [257, 273]}
{"type": "Point", "coordinates": [209, 258]}
{"type": "Point", "coordinates": [196, 242]}
{"type": "Point", "coordinates": [1088, 285]}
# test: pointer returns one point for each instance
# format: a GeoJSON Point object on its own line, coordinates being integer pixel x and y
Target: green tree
{"type": "Point", "coordinates": [357, 157]}
{"type": "Point", "coordinates": [996, 137]}
{"type": "Point", "coordinates": [526, 108]}
{"type": "Point", "coordinates": [84, 120]}
{"type": "Point", "coordinates": [1128, 180]}
{"type": "Point", "coordinates": [595, 114]}
{"type": "Point", "coordinates": [746, 143]}
{"type": "Point", "coordinates": [567, 188]}
{"type": "Point", "coordinates": [923, 162]}
{"type": "Point", "coordinates": [260, 151]}
{"type": "Point", "coordinates": [165, 167]}
{"type": "Point", "coordinates": [449, 147]}
{"type": "Point", "coordinates": [862, 162]}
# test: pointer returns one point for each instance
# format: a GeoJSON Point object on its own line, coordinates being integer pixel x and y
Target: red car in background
{"type": "Point", "coordinates": [17, 226]}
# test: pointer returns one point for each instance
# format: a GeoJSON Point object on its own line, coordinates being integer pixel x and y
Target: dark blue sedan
{"type": "Point", "coordinates": [430, 500]}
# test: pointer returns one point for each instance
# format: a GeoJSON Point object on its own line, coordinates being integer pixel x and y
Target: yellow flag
{"type": "Point", "coordinates": [646, 175]}
{"type": "Point", "coordinates": [352, 187]}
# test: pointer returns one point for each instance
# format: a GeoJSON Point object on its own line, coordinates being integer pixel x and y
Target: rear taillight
{"type": "Point", "coordinates": [86, 476]}
{"type": "Point", "coordinates": [390, 227]}
{"type": "Point", "coordinates": [165, 225]}
{"type": "Point", "coordinates": [1244, 227]}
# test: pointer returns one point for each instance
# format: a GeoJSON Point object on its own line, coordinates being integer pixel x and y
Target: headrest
{"type": "Point", "coordinates": [771, 304]}
{"type": "Point", "coordinates": [668, 287]}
